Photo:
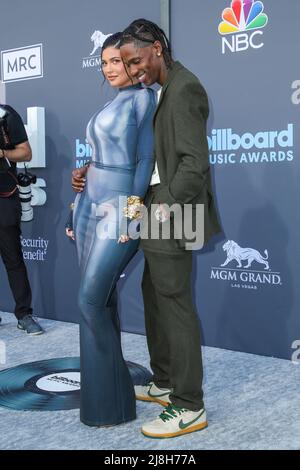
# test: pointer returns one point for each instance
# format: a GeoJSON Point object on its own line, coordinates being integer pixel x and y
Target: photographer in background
{"type": "Point", "coordinates": [14, 147]}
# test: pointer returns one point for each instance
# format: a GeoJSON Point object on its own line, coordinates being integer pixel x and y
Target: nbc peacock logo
{"type": "Point", "coordinates": [243, 21]}
{"type": "Point", "coordinates": [243, 16]}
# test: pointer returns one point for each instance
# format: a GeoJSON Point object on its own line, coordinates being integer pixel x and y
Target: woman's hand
{"type": "Point", "coordinates": [123, 239]}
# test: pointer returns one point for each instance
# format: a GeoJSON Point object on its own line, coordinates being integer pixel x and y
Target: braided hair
{"type": "Point", "coordinates": [144, 32]}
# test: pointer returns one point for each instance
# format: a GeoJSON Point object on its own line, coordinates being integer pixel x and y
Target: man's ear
{"type": "Point", "coordinates": [157, 47]}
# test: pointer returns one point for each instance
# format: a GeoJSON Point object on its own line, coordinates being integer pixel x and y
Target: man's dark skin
{"type": "Point", "coordinates": [78, 179]}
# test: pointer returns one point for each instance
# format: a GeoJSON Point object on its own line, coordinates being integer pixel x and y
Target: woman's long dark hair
{"type": "Point", "coordinates": [114, 40]}
{"type": "Point", "coordinates": [144, 32]}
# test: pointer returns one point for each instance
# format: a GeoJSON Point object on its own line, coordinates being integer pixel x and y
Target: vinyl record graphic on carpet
{"type": "Point", "coordinates": [52, 384]}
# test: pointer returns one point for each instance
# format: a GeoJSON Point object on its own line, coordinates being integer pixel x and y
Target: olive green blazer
{"type": "Point", "coordinates": [181, 148]}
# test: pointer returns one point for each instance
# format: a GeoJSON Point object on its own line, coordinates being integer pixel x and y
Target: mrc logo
{"type": "Point", "coordinates": [23, 63]}
{"type": "Point", "coordinates": [241, 25]}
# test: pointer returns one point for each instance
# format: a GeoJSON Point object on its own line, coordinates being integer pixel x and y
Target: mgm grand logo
{"type": "Point", "coordinates": [245, 268]}
{"type": "Point", "coordinates": [93, 59]}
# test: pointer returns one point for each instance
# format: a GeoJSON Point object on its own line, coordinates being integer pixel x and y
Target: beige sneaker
{"type": "Point", "coordinates": [150, 392]}
{"type": "Point", "coordinates": [175, 421]}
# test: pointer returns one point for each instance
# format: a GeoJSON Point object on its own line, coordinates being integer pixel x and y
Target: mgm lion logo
{"type": "Point", "coordinates": [234, 251]}
{"type": "Point", "coordinates": [98, 39]}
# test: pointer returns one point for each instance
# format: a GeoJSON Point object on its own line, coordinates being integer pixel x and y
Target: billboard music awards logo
{"type": "Point", "coordinates": [229, 147]}
{"type": "Point", "coordinates": [241, 26]}
{"type": "Point", "coordinates": [92, 61]}
{"type": "Point", "coordinates": [60, 382]}
{"type": "Point", "coordinates": [247, 268]}
{"type": "Point", "coordinates": [83, 152]}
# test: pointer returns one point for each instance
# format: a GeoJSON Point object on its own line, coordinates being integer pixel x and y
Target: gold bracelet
{"type": "Point", "coordinates": [133, 209]}
{"type": "Point", "coordinates": [134, 200]}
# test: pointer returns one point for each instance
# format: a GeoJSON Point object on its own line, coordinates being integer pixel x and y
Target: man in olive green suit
{"type": "Point", "coordinates": [182, 176]}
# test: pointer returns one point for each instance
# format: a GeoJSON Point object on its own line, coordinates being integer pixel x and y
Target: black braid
{"type": "Point", "coordinates": [144, 31]}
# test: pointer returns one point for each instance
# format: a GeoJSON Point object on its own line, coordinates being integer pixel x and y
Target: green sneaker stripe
{"type": "Point", "coordinates": [185, 425]}
{"type": "Point", "coordinates": [156, 396]}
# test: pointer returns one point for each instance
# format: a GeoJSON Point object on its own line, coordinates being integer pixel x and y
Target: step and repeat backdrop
{"type": "Point", "coordinates": [245, 54]}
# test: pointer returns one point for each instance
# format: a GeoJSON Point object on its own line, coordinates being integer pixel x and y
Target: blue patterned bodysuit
{"type": "Point", "coordinates": [122, 163]}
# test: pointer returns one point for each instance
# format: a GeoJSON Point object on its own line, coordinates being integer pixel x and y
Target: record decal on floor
{"type": "Point", "coordinates": [49, 385]}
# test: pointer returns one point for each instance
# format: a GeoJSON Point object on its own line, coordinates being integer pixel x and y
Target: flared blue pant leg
{"type": "Point", "coordinates": [107, 393]}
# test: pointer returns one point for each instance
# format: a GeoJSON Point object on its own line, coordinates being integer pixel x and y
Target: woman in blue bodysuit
{"type": "Point", "coordinates": [122, 162]}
